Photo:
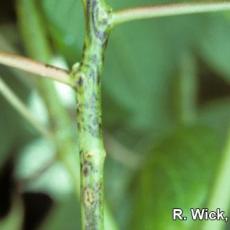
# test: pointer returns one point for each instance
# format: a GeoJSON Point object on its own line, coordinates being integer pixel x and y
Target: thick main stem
{"type": "Point", "coordinates": [88, 90]}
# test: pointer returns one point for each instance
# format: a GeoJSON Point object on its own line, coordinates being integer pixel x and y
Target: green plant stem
{"type": "Point", "coordinates": [9, 95]}
{"type": "Point", "coordinates": [88, 91]}
{"type": "Point", "coordinates": [220, 194]}
{"type": "Point", "coordinates": [34, 67]}
{"type": "Point", "coordinates": [167, 10]}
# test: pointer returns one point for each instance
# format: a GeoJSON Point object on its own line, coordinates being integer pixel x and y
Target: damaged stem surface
{"type": "Point", "coordinates": [87, 82]}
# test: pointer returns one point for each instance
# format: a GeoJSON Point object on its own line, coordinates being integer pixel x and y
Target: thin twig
{"type": "Point", "coordinates": [167, 10]}
{"type": "Point", "coordinates": [34, 67]}
{"type": "Point", "coordinates": [9, 95]}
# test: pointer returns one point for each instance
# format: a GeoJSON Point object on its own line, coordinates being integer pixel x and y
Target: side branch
{"type": "Point", "coordinates": [34, 67]}
{"type": "Point", "coordinates": [167, 10]}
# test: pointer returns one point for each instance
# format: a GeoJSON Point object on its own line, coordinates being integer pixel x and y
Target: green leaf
{"type": "Point", "coordinates": [140, 69]}
{"type": "Point", "coordinates": [216, 116]}
{"type": "Point", "coordinates": [214, 44]}
{"type": "Point", "coordinates": [177, 174]}
{"type": "Point", "coordinates": [66, 25]}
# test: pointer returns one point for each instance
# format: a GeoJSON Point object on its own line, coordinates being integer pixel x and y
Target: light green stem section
{"type": "Point", "coordinates": [220, 194]}
{"type": "Point", "coordinates": [88, 90]}
{"type": "Point", "coordinates": [167, 10]}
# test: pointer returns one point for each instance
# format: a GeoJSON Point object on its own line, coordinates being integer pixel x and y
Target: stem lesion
{"type": "Point", "coordinates": [88, 92]}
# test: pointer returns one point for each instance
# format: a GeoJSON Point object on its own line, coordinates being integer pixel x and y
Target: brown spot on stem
{"type": "Point", "coordinates": [88, 155]}
{"type": "Point", "coordinates": [99, 187]}
{"type": "Point", "coordinates": [89, 197]}
{"type": "Point", "coordinates": [80, 81]}
{"type": "Point", "coordinates": [85, 170]}
{"type": "Point", "coordinates": [86, 167]}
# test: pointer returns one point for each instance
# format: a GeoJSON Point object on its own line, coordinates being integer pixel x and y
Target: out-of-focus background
{"type": "Point", "coordinates": [166, 117]}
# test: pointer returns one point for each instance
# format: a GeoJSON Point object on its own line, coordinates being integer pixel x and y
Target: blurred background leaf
{"type": "Point", "coordinates": [179, 174]}
{"type": "Point", "coordinates": [64, 21]}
